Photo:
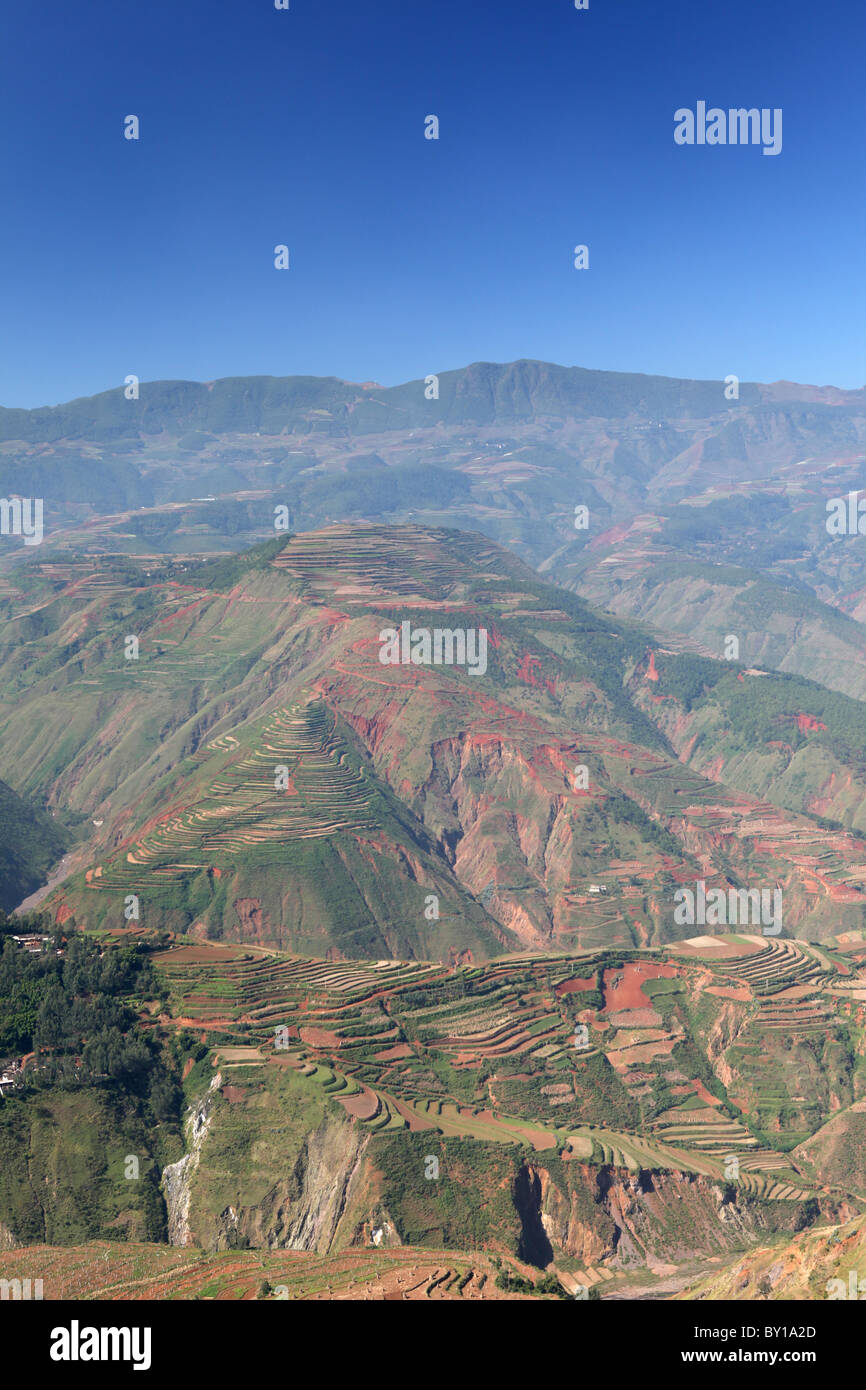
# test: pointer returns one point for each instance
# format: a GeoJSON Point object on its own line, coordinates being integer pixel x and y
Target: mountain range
{"type": "Point", "coordinates": [558, 797]}
{"type": "Point", "coordinates": [639, 683]}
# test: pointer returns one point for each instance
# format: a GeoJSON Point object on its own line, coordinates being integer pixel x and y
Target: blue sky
{"type": "Point", "coordinates": [411, 256]}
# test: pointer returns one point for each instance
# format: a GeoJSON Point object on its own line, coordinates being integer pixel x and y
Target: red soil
{"type": "Point", "coordinates": [391, 1054]}
{"type": "Point", "coordinates": [701, 1091]}
{"type": "Point", "coordinates": [173, 617]}
{"type": "Point", "coordinates": [528, 671]}
{"type": "Point", "coordinates": [363, 1106]}
{"type": "Point", "coordinates": [215, 1023]}
{"type": "Point", "coordinates": [806, 723]}
{"type": "Point", "coordinates": [320, 1037]}
{"type": "Point", "coordinates": [636, 1018]}
{"type": "Point", "coordinates": [575, 986]}
{"type": "Point", "coordinates": [628, 993]}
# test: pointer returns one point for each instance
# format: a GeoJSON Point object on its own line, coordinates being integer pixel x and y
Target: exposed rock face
{"type": "Point", "coordinates": [381, 1232]}
{"type": "Point", "coordinates": [304, 1210]}
{"type": "Point", "coordinates": [529, 1193]}
{"type": "Point", "coordinates": [725, 1031]}
{"type": "Point", "coordinates": [497, 810]}
{"type": "Point", "coordinates": [176, 1176]}
{"type": "Point", "coordinates": [569, 1228]}
{"type": "Point", "coordinates": [612, 1216]}
{"type": "Point", "coordinates": [249, 914]}
{"type": "Point", "coordinates": [8, 1239]}
{"type": "Point", "coordinates": [820, 1264]}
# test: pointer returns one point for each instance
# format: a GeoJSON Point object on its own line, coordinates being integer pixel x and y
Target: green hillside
{"type": "Point", "coordinates": [31, 842]}
{"type": "Point", "coordinates": [96, 1091]}
{"type": "Point", "coordinates": [256, 771]}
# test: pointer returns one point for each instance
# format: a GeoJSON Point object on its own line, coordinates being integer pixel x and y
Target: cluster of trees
{"type": "Point", "coordinates": [689, 678]}
{"type": "Point", "coordinates": [469, 1206]}
{"type": "Point", "coordinates": [225, 573]}
{"type": "Point", "coordinates": [547, 1284]}
{"type": "Point", "coordinates": [619, 808]}
{"type": "Point", "coordinates": [759, 709]}
{"type": "Point", "coordinates": [375, 491]}
{"type": "Point", "coordinates": [227, 518]}
{"type": "Point", "coordinates": [766, 708]}
{"type": "Point", "coordinates": [72, 1010]}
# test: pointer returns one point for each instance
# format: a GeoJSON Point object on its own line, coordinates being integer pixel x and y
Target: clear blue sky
{"type": "Point", "coordinates": [410, 256]}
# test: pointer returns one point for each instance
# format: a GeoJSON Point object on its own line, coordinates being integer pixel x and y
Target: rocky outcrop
{"type": "Point", "coordinates": [724, 1032]}
{"type": "Point", "coordinates": [8, 1239]}
{"type": "Point", "coordinates": [176, 1177]}
{"type": "Point", "coordinates": [612, 1216]}
{"type": "Point", "coordinates": [815, 1265]}
{"type": "Point", "coordinates": [304, 1210]}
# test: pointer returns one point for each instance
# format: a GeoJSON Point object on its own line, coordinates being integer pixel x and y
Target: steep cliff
{"type": "Point", "coordinates": [275, 1166]}
{"type": "Point", "coordinates": [605, 1215]}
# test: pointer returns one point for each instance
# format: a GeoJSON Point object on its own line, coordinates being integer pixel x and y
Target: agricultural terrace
{"type": "Point", "coordinates": [599, 1056]}
{"type": "Point", "coordinates": [112, 1270]}
{"type": "Point", "coordinates": [241, 809]}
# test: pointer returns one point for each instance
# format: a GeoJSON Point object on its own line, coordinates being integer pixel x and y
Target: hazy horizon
{"type": "Point", "coordinates": [405, 381]}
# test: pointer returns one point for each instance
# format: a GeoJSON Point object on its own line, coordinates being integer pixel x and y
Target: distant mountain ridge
{"type": "Point", "coordinates": [482, 393]}
{"type": "Point", "coordinates": [510, 449]}
{"type": "Point", "coordinates": [705, 516]}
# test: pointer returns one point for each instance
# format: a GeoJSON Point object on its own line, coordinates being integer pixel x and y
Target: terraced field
{"type": "Point", "coordinates": [369, 837]}
{"type": "Point", "coordinates": [787, 980]}
{"type": "Point", "coordinates": [108, 1271]}
{"type": "Point", "coordinates": [357, 561]}
{"type": "Point", "coordinates": [279, 831]}
{"type": "Point", "coordinates": [534, 1051]}
{"type": "Point", "coordinates": [791, 1040]}
{"type": "Point", "coordinates": [320, 794]}
{"type": "Point", "coordinates": [259, 987]}
{"type": "Point", "coordinates": [397, 780]}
